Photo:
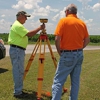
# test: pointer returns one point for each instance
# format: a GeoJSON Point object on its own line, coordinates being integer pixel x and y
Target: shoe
{"type": "Point", "coordinates": [22, 95]}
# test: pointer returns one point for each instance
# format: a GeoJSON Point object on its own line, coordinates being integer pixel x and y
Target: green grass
{"type": "Point", "coordinates": [94, 44]}
{"type": "Point", "coordinates": [90, 77]}
{"type": "Point", "coordinates": [53, 43]}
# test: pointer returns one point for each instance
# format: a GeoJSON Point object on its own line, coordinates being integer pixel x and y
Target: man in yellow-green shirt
{"type": "Point", "coordinates": [18, 35]}
{"type": "Point", "coordinates": [18, 40]}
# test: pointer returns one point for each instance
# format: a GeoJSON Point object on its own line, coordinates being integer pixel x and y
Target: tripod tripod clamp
{"type": "Point", "coordinates": [44, 20]}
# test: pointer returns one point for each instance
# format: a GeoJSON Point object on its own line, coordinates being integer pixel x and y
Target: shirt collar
{"type": "Point", "coordinates": [72, 15]}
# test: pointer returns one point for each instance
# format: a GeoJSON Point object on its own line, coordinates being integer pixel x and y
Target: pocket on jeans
{"type": "Point", "coordinates": [67, 61]}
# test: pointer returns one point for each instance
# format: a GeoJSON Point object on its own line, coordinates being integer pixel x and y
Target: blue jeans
{"type": "Point", "coordinates": [69, 64]}
{"type": "Point", "coordinates": [17, 59]}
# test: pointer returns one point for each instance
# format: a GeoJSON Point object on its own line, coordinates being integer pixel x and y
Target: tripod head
{"type": "Point", "coordinates": [44, 20]}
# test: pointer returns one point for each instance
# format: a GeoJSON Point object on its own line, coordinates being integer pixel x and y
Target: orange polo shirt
{"type": "Point", "coordinates": [72, 31]}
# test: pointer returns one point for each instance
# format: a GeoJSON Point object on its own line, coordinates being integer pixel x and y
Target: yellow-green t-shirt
{"type": "Point", "coordinates": [17, 35]}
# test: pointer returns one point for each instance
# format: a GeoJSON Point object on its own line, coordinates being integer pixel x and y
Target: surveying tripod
{"type": "Point", "coordinates": [42, 38]}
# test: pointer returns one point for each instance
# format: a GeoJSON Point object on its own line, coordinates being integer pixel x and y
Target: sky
{"type": "Point", "coordinates": [53, 10]}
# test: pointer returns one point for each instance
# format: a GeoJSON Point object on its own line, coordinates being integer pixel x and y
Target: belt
{"type": "Point", "coordinates": [71, 50]}
{"type": "Point", "coordinates": [17, 46]}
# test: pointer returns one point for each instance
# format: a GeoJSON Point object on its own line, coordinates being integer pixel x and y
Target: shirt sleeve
{"type": "Point", "coordinates": [59, 28]}
{"type": "Point", "coordinates": [86, 31]}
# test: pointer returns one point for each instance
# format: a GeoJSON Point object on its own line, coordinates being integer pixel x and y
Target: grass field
{"type": "Point", "coordinates": [89, 86]}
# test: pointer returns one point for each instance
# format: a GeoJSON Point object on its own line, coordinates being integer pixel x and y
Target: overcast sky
{"type": "Point", "coordinates": [53, 10]}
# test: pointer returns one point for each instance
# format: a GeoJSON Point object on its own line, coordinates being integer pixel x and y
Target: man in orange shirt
{"type": "Point", "coordinates": [71, 36]}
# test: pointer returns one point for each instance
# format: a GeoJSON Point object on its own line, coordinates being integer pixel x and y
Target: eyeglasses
{"type": "Point", "coordinates": [65, 11]}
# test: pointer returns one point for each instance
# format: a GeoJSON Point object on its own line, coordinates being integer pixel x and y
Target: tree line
{"type": "Point", "coordinates": [93, 38]}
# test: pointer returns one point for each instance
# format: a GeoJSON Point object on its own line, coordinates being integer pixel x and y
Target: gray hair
{"type": "Point", "coordinates": [72, 9]}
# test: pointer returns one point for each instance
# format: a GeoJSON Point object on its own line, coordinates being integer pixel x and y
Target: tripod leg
{"type": "Point", "coordinates": [31, 58]}
{"type": "Point", "coordinates": [55, 61]}
{"type": "Point", "coordinates": [41, 70]}
{"type": "Point", "coordinates": [40, 73]}
{"type": "Point", "coordinates": [53, 58]}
